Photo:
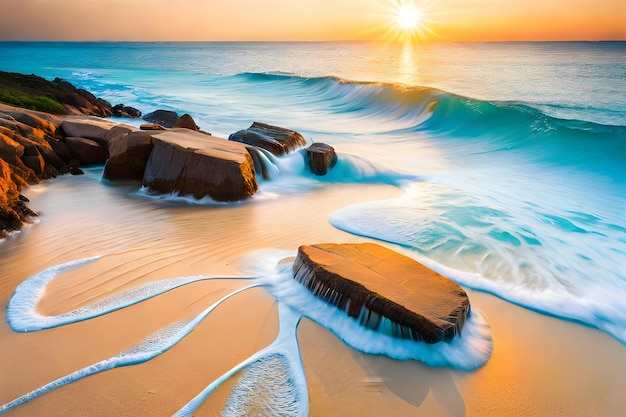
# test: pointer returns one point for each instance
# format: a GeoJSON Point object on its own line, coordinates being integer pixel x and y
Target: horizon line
{"type": "Point", "coordinates": [313, 41]}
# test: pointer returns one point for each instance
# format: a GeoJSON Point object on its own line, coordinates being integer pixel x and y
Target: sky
{"type": "Point", "coordinates": [309, 20]}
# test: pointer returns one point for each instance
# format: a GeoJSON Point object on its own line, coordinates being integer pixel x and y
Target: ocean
{"type": "Point", "coordinates": [509, 159]}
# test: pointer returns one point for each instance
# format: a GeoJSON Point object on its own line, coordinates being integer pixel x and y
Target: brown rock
{"type": "Point", "coordinates": [277, 140]}
{"type": "Point", "coordinates": [383, 290]}
{"type": "Point", "coordinates": [61, 149]}
{"type": "Point", "coordinates": [87, 127]}
{"type": "Point", "coordinates": [192, 163]}
{"type": "Point", "coordinates": [186, 122]}
{"type": "Point", "coordinates": [165, 118]}
{"type": "Point", "coordinates": [10, 150]}
{"type": "Point", "coordinates": [120, 110]}
{"type": "Point", "coordinates": [151, 126]}
{"type": "Point", "coordinates": [321, 158]}
{"type": "Point", "coordinates": [86, 151]}
{"type": "Point", "coordinates": [33, 160]}
{"type": "Point", "coordinates": [128, 156]}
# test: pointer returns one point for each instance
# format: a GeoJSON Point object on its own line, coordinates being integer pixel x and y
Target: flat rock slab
{"type": "Point", "coordinates": [384, 290]}
{"type": "Point", "coordinates": [277, 140]}
{"type": "Point", "coordinates": [197, 164]}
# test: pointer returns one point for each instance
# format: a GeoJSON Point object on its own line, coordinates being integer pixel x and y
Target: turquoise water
{"type": "Point", "coordinates": [512, 156]}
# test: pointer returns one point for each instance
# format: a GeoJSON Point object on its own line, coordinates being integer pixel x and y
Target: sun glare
{"type": "Point", "coordinates": [408, 18]}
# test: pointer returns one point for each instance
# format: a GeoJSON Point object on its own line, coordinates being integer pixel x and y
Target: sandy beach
{"type": "Point", "coordinates": [541, 366]}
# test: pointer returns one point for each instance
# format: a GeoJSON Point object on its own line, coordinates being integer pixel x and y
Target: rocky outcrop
{"type": "Point", "coordinates": [192, 163]}
{"type": "Point", "coordinates": [383, 290]}
{"type": "Point", "coordinates": [321, 158]}
{"type": "Point", "coordinates": [13, 209]}
{"type": "Point", "coordinates": [26, 157]}
{"type": "Point", "coordinates": [67, 98]}
{"type": "Point", "coordinates": [165, 118]}
{"type": "Point", "coordinates": [277, 140]}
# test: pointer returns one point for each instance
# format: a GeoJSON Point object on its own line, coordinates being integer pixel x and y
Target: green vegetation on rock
{"type": "Point", "coordinates": [39, 103]}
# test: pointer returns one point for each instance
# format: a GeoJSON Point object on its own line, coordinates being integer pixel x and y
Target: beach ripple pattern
{"type": "Point", "coordinates": [272, 380]}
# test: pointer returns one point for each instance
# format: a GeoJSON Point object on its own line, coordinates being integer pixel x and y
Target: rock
{"type": "Point", "coordinates": [151, 126]}
{"type": "Point", "coordinates": [371, 282]}
{"type": "Point", "coordinates": [192, 163]}
{"type": "Point", "coordinates": [277, 140]}
{"type": "Point", "coordinates": [186, 121]}
{"type": "Point", "coordinates": [321, 158]}
{"type": "Point", "coordinates": [33, 160]}
{"type": "Point", "coordinates": [128, 156]}
{"type": "Point", "coordinates": [165, 118]}
{"type": "Point", "coordinates": [87, 151]}
{"type": "Point", "coordinates": [87, 127]}
{"type": "Point", "coordinates": [61, 149]}
{"type": "Point", "coordinates": [116, 131]}
{"type": "Point", "coordinates": [120, 110]}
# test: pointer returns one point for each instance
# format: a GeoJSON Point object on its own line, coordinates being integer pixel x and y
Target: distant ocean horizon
{"type": "Point", "coordinates": [511, 155]}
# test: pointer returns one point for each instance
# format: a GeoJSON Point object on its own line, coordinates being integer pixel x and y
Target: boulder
{"type": "Point", "coordinates": [321, 158]}
{"type": "Point", "coordinates": [192, 163]}
{"type": "Point", "coordinates": [10, 150]}
{"type": "Point", "coordinates": [87, 127]}
{"type": "Point", "coordinates": [165, 118]}
{"type": "Point", "coordinates": [384, 290]}
{"type": "Point", "coordinates": [186, 122]}
{"type": "Point", "coordinates": [120, 110]}
{"type": "Point", "coordinates": [128, 156]}
{"type": "Point", "coordinates": [116, 131]}
{"type": "Point", "coordinates": [277, 140]}
{"type": "Point", "coordinates": [86, 151]}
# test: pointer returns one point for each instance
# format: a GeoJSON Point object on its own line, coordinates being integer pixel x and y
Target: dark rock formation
{"type": "Point", "coordinates": [165, 118]}
{"type": "Point", "coordinates": [120, 110]}
{"type": "Point", "coordinates": [128, 156]}
{"type": "Point", "coordinates": [321, 158]}
{"type": "Point", "coordinates": [383, 290]}
{"type": "Point", "coordinates": [192, 163]}
{"type": "Point", "coordinates": [72, 100]}
{"type": "Point", "coordinates": [186, 122]}
{"type": "Point", "coordinates": [276, 140]}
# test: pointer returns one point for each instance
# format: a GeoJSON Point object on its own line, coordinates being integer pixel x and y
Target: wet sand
{"type": "Point", "coordinates": [541, 366]}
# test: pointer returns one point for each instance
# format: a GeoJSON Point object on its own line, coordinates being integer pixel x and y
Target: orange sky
{"type": "Point", "coordinates": [223, 20]}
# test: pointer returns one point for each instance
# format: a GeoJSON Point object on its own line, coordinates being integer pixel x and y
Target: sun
{"type": "Point", "coordinates": [408, 18]}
